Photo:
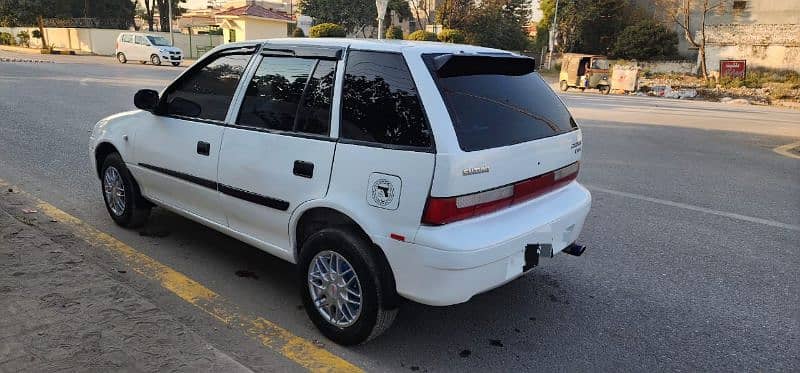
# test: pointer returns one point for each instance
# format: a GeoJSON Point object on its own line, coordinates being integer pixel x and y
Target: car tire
{"type": "Point", "coordinates": [176, 64]}
{"type": "Point", "coordinates": [130, 210]}
{"type": "Point", "coordinates": [604, 89]}
{"type": "Point", "coordinates": [376, 309]}
{"type": "Point", "coordinates": [121, 58]}
{"type": "Point", "coordinates": [155, 60]}
{"type": "Point", "coordinates": [563, 85]}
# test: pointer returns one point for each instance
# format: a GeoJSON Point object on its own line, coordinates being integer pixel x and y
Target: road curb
{"type": "Point", "coordinates": [786, 150]}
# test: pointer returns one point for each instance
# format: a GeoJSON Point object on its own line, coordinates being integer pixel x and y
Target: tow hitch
{"type": "Point", "coordinates": [575, 249]}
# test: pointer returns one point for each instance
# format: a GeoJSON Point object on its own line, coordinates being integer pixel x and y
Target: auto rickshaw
{"type": "Point", "coordinates": [584, 71]}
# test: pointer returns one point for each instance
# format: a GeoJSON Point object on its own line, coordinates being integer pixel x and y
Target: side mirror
{"type": "Point", "coordinates": [146, 99]}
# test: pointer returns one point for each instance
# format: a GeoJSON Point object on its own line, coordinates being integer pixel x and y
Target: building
{"type": "Point", "coordinates": [765, 33]}
{"type": "Point", "coordinates": [252, 21]}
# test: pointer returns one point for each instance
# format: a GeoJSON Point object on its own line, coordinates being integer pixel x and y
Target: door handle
{"type": "Point", "coordinates": [303, 169]}
{"type": "Point", "coordinates": [203, 148]}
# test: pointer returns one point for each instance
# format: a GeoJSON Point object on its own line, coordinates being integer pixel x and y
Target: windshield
{"type": "Point", "coordinates": [600, 63]}
{"type": "Point", "coordinates": [158, 41]}
{"type": "Point", "coordinates": [494, 110]}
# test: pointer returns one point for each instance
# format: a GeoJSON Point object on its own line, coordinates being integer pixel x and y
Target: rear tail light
{"type": "Point", "coordinates": [439, 211]}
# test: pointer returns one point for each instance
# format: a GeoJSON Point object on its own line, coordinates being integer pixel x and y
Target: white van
{"type": "Point", "coordinates": [383, 169]}
{"type": "Point", "coordinates": [134, 46]}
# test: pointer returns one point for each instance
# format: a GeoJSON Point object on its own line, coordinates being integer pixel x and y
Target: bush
{"type": "Point", "coordinates": [36, 34]}
{"type": "Point", "coordinates": [327, 30]}
{"type": "Point", "coordinates": [298, 33]}
{"type": "Point", "coordinates": [24, 38]}
{"type": "Point", "coordinates": [394, 32]}
{"type": "Point", "coordinates": [7, 39]}
{"type": "Point", "coordinates": [646, 40]}
{"type": "Point", "coordinates": [452, 36]}
{"type": "Point", "coordinates": [422, 35]}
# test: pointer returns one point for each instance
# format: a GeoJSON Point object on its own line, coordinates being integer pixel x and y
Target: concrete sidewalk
{"type": "Point", "coordinates": [60, 312]}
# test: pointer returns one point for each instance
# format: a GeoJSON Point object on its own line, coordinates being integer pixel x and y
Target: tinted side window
{"type": "Point", "coordinates": [140, 40]}
{"type": "Point", "coordinates": [290, 94]}
{"type": "Point", "coordinates": [127, 38]}
{"type": "Point", "coordinates": [315, 109]}
{"type": "Point", "coordinates": [207, 92]}
{"type": "Point", "coordinates": [380, 102]}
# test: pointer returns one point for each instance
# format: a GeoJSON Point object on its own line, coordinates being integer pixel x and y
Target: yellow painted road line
{"type": "Point", "coordinates": [784, 150]}
{"type": "Point", "coordinates": [299, 350]}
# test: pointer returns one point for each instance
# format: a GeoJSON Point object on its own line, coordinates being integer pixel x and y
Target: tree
{"type": "Point", "coordinates": [326, 30]}
{"type": "Point", "coordinates": [115, 13]}
{"type": "Point", "coordinates": [452, 36]}
{"type": "Point", "coordinates": [453, 13]}
{"type": "Point", "coordinates": [590, 26]}
{"type": "Point", "coordinates": [399, 8]}
{"type": "Point", "coordinates": [498, 24]}
{"type": "Point", "coordinates": [148, 10]}
{"type": "Point", "coordinates": [422, 35]}
{"type": "Point", "coordinates": [686, 12]}
{"type": "Point", "coordinates": [163, 11]}
{"type": "Point", "coordinates": [646, 40]}
{"type": "Point", "coordinates": [394, 32]}
{"type": "Point", "coordinates": [419, 10]}
{"type": "Point", "coordinates": [353, 15]}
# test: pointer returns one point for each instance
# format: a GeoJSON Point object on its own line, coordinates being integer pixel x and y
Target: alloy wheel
{"type": "Point", "coordinates": [114, 191]}
{"type": "Point", "coordinates": [335, 288]}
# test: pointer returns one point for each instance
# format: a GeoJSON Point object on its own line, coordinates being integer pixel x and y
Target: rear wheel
{"type": "Point", "coordinates": [121, 57]}
{"type": "Point", "coordinates": [342, 287]}
{"type": "Point", "coordinates": [604, 89]}
{"type": "Point", "coordinates": [155, 60]}
{"type": "Point", "coordinates": [563, 85]}
{"type": "Point", "coordinates": [122, 198]}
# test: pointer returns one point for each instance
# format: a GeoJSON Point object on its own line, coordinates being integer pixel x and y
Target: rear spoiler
{"type": "Point", "coordinates": [449, 65]}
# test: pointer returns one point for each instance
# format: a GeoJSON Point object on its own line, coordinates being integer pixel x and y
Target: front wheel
{"type": "Point", "coordinates": [344, 291]}
{"type": "Point", "coordinates": [155, 60]}
{"type": "Point", "coordinates": [563, 85]}
{"type": "Point", "coordinates": [122, 198]}
{"type": "Point", "coordinates": [604, 89]}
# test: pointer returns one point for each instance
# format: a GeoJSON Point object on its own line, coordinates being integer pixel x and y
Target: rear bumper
{"type": "Point", "coordinates": [450, 264]}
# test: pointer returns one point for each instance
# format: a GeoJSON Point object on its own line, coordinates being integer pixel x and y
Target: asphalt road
{"type": "Point", "coordinates": [693, 238]}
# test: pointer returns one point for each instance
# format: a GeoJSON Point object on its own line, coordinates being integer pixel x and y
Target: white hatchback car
{"type": "Point", "coordinates": [133, 46]}
{"type": "Point", "coordinates": [383, 169]}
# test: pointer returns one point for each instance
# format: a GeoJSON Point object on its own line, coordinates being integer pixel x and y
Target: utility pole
{"type": "Point", "coordinates": [553, 29]}
{"type": "Point", "coordinates": [171, 35]}
{"type": "Point", "coordinates": [381, 5]}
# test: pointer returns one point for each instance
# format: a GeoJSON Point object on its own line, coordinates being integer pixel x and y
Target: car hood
{"type": "Point", "coordinates": [170, 49]}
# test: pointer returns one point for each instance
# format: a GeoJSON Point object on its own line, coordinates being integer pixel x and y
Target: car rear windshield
{"type": "Point", "coordinates": [493, 105]}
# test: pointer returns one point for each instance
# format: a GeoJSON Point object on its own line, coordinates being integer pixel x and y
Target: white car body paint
{"type": "Point", "coordinates": [435, 265]}
{"type": "Point", "coordinates": [142, 52]}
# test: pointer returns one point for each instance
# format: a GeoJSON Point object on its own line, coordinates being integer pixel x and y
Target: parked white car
{"type": "Point", "coordinates": [134, 46]}
{"type": "Point", "coordinates": [384, 170]}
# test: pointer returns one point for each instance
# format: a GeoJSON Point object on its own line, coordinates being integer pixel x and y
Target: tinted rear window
{"type": "Point", "coordinates": [494, 110]}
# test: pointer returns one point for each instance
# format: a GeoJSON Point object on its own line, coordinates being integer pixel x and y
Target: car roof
{"type": "Point", "coordinates": [387, 45]}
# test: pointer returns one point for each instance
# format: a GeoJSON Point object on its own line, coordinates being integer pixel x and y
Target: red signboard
{"type": "Point", "coordinates": [733, 68]}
